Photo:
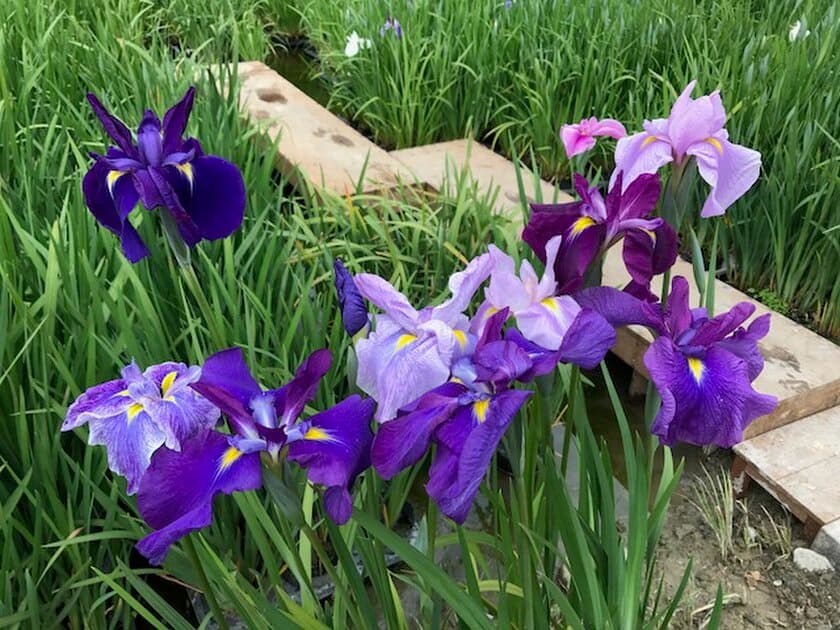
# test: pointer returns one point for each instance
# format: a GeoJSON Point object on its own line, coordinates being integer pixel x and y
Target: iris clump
{"type": "Point", "coordinates": [199, 196]}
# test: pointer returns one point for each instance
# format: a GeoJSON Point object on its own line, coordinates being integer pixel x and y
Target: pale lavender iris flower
{"type": "Point", "coordinates": [410, 352]}
{"type": "Point", "coordinates": [141, 412]}
{"type": "Point", "coordinates": [580, 138]}
{"type": "Point", "coordinates": [694, 129]}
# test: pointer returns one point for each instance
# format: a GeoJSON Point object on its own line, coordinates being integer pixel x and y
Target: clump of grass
{"type": "Point", "coordinates": [715, 500]}
{"type": "Point", "coordinates": [778, 533]}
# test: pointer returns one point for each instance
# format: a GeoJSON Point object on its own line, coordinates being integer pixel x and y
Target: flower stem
{"type": "Point", "coordinates": [192, 552]}
{"type": "Point", "coordinates": [569, 427]}
{"type": "Point", "coordinates": [173, 237]}
{"type": "Point", "coordinates": [207, 311]}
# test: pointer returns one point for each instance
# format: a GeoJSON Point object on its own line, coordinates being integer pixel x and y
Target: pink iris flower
{"type": "Point", "coordinates": [694, 128]}
{"type": "Point", "coordinates": [581, 137]}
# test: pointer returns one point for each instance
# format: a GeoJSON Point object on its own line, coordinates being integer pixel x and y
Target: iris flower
{"type": "Point", "coordinates": [411, 352]}
{"type": "Point", "coordinates": [203, 194]}
{"type": "Point", "coordinates": [141, 412]}
{"type": "Point", "coordinates": [580, 138]}
{"type": "Point", "coordinates": [466, 417]}
{"type": "Point", "coordinates": [355, 44]}
{"type": "Point", "coordinates": [694, 129]}
{"type": "Point", "coordinates": [592, 225]}
{"type": "Point", "coordinates": [551, 322]}
{"type": "Point", "coordinates": [391, 24]}
{"type": "Point", "coordinates": [703, 368]}
{"type": "Point", "coordinates": [354, 314]}
{"type": "Point", "coordinates": [176, 494]}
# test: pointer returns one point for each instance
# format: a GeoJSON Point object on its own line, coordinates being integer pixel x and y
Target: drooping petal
{"type": "Point", "coordinates": [335, 449]}
{"type": "Point", "coordinates": [647, 253]}
{"type": "Point", "coordinates": [718, 327]}
{"type": "Point", "coordinates": [175, 122]}
{"type": "Point", "coordinates": [354, 313]}
{"type": "Point", "coordinates": [109, 195]}
{"type": "Point", "coordinates": [226, 381]}
{"type": "Point", "coordinates": [620, 308]}
{"type": "Point", "coordinates": [402, 442]}
{"type": "Point", "coordinates": [638, 154]}
{"type": "Point", "coordinates": [176, 495]}
{"type": "Point", "coordinates": [187, 228]}
{"type": "Point", "coordinates": [217, 195]}
{"type": "Point", "coordinates": [706, 399]}
{"type": "Point", "coordinates": [399, 369]}
{"type": "Point", "coordinates": [728, 168]}
{"type": "Point", "coordinates": [455, 498]}
{"type": "Point", "coordinates": [587, 341]}
{"type": "Point", "coordinates": [500, 362]}
{"type": "Point", "coordinates": [89, 405]}
{"type": "Point", "coordinates": [384, 296]}
{"type": "Point", "coordinates": [547, 221]}
{"type": "Point", "coordinates": [608, 127]}
{"type": "Point", "coordinates": [113, 126]}
{"type": "Point", "coordinates": [547, 322]}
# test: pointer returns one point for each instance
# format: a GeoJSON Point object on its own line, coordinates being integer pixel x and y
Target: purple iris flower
{"type": "Point", "coordinates": [694, 128]}
{"type": "Point", "coordinates": [203, 194]}
{"type": "Point", "coordinates": [592, 225]}
{"type": "Point", "coordinates": [391, 24]}
{"type": "Point", "coordinates": [354, 313]}
{"type": "Point", "coordinates": [466, 417]}
{"type": "Point", "coordinates": [703, 368]}
{"type": "Point", "coordinates": [411, 352]}
{"type": "Point", "coordinates": [176, 494]}
{"type": "Point", "coordinates": [141, 412]}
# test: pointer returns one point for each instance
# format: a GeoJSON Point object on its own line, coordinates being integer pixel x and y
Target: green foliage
{"type": "Point", "coordinates": [513, 77]}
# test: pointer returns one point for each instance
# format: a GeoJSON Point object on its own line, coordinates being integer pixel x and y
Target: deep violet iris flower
{"type": "Point", "coordinates": [141, 412]}
{"type": "Point", "coordinates": [411, 352]}
{"type": "Point", "coordinates": [466, 417]}
{"type": "Point", "coordinates": [593, 224]}
{"type": "Point", "coordinates": [703, 368]}
{"type": "Point", "coordinates": [694, 129]}
{"type": "Point", "coordinates": [580, 138]}
{"type": "Point", "coordinates": [176, 494]}
{"type": "Point", "coordinates": [203, 194]}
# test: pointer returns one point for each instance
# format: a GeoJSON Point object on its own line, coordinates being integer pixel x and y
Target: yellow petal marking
{"type": "Point", "coordinates": [480, 409]}
{"type": "Point", "coordinates": [124, 392]}
{"type": "Point", "coordinates": [229, 457]}
{"type": "Point", "coordinates": [166, 383]}
{"type": "Point", "coordinates": [716, 144]}
{"type": "Point", "coordinates": [550, 304]}
{"type": "Point", "coordinates": [649, 140]}
{"type": "Point", "coordinates": [404, 340]}
{"type": "Point", "coordinates": [112, 178]}
{"type": "Point", "coordinates": [697, 368]}
{"type": "Point", "coordinates": [651, 234]}
{"type": "Point", "coordinates": [581, 224]}
{"type": "Point", "coordinates": [187, 170]}
{"type": "Point", "coordinates": [314, 433]}
{"type": "Point", "coordinates": [461, 336]}
{"type": "Point", "coordinates": [133, 410]}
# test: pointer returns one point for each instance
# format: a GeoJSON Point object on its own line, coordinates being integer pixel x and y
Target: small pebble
{"type": "Point", "coordinates": [777, 582]}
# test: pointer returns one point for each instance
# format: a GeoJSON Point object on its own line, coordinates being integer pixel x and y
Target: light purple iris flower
{"type": "Point", "coordinates": [411, 352]}
{"type": "Point", "coordinates": [176, 494]}
{"type": "Point", "coordinates": [592, 225]}
{"type": "Point", "coordinates": [580, 138]}
{"type": "Point", "coordinates": [204, 194]}
{"type": "Point", "coordinates": [141, 412]}
{"type": "Point", "coordinates": [542, 317]}
{"type": "Point", "coordinates": [694, 129]}
{"type": "Point", "coordinates": [391, 24]}
{"type": "Point", "coordinates": [703, 368]}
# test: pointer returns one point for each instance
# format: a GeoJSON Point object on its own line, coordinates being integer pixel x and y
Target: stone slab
{"type": "Point", "coordinates": [801, 368]}
{"type": "Point", "coordinates": [799, 464]}
{"type": "Point", "coordinates": [440, 165]}
{"type": "Point", "coordinates": [314, 147]}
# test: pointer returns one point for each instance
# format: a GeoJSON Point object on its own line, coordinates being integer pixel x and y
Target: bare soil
{"type": "Point", "coordinates": [762, 586]}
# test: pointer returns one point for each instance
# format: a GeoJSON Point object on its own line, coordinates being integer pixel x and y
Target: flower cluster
{"type": "Point", "coordinates": [159, 428]}
{"type": "Point", "coordinates": [440, 377]}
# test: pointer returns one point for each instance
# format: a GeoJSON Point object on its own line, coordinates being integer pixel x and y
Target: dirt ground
{"type": "Point", "coordinates": [762, 586]}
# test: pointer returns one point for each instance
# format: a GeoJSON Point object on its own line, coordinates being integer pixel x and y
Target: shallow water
{"type": "Point", "coordinates": [295, 65]}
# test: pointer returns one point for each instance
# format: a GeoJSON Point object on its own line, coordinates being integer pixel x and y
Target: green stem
{"type": "Point", "coordinates": [207, 312]}
{"type": "Point", "coordinates": [569, 428]}
{"type": "Point", "coordinates": [192, 552]}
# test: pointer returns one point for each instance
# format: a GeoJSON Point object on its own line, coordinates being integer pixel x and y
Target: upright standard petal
{"type": "Point", "coordinates": [463, 286]}
{"type": "Point", "coordinates": [290, 399]}
{"type": "Point", "coordinates": [385, 297]}
{"type": "Point", "coordinates": [227, 382]}
{"type": "Point", "coordinates": [113, 126]}
{"type": "Point", "coordinates": [176, 495]}
{"type": "Point", "coordinates": [175, 122]}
